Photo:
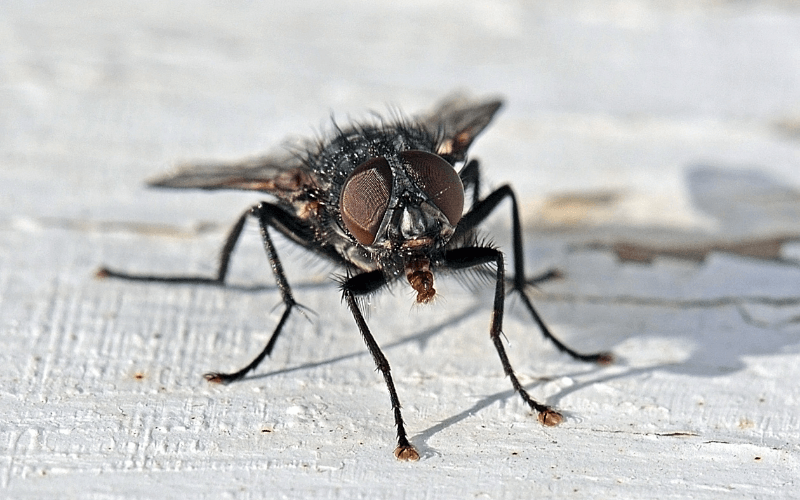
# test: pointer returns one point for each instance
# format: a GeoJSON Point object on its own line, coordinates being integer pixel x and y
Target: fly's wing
{"type": "Point", "coordinates": [458, 120]}
{"type": "Point", "coordinates": [280, 175]}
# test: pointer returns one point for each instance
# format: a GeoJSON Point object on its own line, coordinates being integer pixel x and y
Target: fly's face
{"type": "Point", "coordinates": [403, 208]}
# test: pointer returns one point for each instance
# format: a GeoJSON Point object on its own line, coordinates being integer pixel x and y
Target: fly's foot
{"type": "Point", "coordinates": [599, 358]}
{"type": "Point", "coordinates": [604, 358]}
{"type": "Point", "coordinates": [220, 378]}
{"type": "Point", "coordinates": [549, 417]}
{"type": "Point", "coordinates": [406, 453]}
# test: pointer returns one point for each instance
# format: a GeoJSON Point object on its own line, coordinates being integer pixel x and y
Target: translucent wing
{"type": "Point", "coordinates": [273, 174]}
{"type": "Point", "coordinates": [458, 120]}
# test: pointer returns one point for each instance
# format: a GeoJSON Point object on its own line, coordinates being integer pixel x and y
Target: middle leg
{"type": "Point", "coordinates": [268, 215]}
{"type": "Point", "coordinates": [477, 215]}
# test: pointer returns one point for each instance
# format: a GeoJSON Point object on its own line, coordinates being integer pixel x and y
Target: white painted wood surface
{"type": "Point", "coordinates": [674, 126]}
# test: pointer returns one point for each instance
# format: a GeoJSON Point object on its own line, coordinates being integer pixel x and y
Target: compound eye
{"type": "Point", "coordinates": [438, 180]}
{"type": "Point", "coordinates": [365, 198]}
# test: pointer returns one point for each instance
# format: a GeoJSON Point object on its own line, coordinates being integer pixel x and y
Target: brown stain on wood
{"type": "Point", "coordinates": [768, 248]}
{"type": "Point", "coordinates": [571, 209]}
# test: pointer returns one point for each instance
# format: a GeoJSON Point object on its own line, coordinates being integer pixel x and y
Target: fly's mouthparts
{"type": "Point", "coordinates": [420, 277]}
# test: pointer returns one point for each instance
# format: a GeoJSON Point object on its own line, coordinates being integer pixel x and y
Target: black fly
{"type": "Point", "coordinates": [384, 202]}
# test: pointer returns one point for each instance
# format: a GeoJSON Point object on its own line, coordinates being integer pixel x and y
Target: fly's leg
{"type": "Point", "coordinates": [463, 258]}
{"type": "Point", "coordinates": [471, 179]}
{"type": "Point", "coordinates": [222, 269]}
{"type": "Point", "coordinates": [477, 215]}
{"type": "Point", "coordinates": [360, 285]}
{"type": "Point", "coordinates": [268, 215]}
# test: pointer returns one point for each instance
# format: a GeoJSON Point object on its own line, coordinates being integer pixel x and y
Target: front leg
{"type": "Point", "coordinates": [359, 285]}
{"type": "Point", "coordinates": [464, 258]}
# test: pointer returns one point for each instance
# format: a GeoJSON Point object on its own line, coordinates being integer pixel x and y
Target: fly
{"type": "Point", "coordinates": [384, 201]}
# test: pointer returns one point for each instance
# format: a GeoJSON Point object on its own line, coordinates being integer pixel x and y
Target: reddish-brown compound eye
{"type": "Point", "coordinates": [437, 179]}
{"type": "Point", "coordinates": [365, 198]}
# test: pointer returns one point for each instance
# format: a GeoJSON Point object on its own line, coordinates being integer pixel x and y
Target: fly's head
{"type": "Point", "coordinates": [403, 208]}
